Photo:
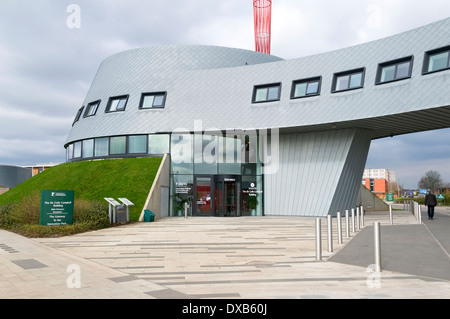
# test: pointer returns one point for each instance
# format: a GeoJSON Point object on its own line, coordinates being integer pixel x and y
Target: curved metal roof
{"type": "Point", "coordinates": [215, 85]}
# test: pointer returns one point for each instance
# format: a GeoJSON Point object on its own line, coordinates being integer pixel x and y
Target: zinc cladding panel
{"type": "Point", "coordinates": [221, 97]}
{"type": "Point", "coordinates": [311, 170]}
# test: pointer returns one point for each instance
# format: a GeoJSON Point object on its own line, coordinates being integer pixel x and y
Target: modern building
{"type": "Point", "coordinates": [250, 133]}
{"type": "Point", "coordinates": [381, 173]}
{"type": "Point", "coordinates": [39, 168]}
{"type": "Point", "coordinates": [11, 176]}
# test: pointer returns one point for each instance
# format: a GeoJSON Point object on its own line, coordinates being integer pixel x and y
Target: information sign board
{"type": "Point", "coordinates": [57, 207]}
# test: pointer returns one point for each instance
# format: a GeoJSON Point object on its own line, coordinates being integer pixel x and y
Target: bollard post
{"type": "Point", "coordinates": [391, 220]}
{"type": "Point", "coordinates": [353, 220]}
{"type": "Point", "coordinates": [357, 218]}
{"type": "Point", "coordinates": [185, 210]}
{"type": "Point", "coordinates": [318, 240]}
{"type": "Point", "coordinates": [347, 224]}
{"type": "Point", "coordinates": [420, 214]}
{"type": "Point", "coordinates": [339, 227]}
{"type": "Point", "coordinates": [362, 215]}
{"type": "Point", "coordinates": [377, 242]}
{"type": "Point", "coordinates": [330, 234]}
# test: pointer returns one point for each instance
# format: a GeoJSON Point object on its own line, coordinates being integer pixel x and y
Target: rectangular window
{"type": "Point", "coordinates": [394, 70]}
{"type": "Point", "coordinates": [137, 144]}
{"type": "Point", "coordinates": [91, 109]}
{"type": "Point", "coordinates": [117, 104]}
{"type": "Point", "coordinates": [153, 100]}
{"type": "Point", "coordinates": [77, 117]}
{"type": "Point", "coordinates": [266, 93]}
{"type": "Point", "coordinates": [88, 148]}
{"type": "Point", "coordinates": [436, 60]}
{"type": "Point", "coordinates": [117, 145]}
{"type": "Point", "coordinates": [158, 144]}
{"type": "Point", "coordinates": [101, 147]}
{"type": "Point", "coordinates": [306, 88]}
{"type": "Point", "coordinates": [77, 150]}
{"type": "Point", "coordinates": [348, 80]}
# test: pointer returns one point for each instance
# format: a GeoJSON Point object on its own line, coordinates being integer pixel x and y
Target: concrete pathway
{"type": "Point", "coordinates": [220, 258]}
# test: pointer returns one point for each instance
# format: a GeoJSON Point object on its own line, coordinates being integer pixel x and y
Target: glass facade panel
{"type": "Point", "coordinates": [158, 144]}
{"type": "Point", "coordinates": [355, 80]}
{"type": "Point", "coordinates": [77, 150]}
{"type": "Point", "coordinates": [118, 145]}
{"type": "Point", "coordinates": [88, 148]}
{"type": "Point", "coordinates": [181, 193]}
{"type": "Point", "coordinates": [181, 153]}
{"type": "Point", "coordinates": [313, 88]}
{"type": "Point", "coordinates": [342, 83]}
{"type": "Point", "coordinates": [147, 103]}
{"type": "Point", "coordinates": [438, 61]}
{"type": "Point", "coordinates": [206, 151]}
{"type": "Point", "coordinates": [261, 95]}
{"type": "Point", "coordinates": [300, 89]}
{"type": "Point", "coordinates": [388, 73]}
{"type": "Point", "coordinates": [137, 144]}
{"type": "Point", "coordinates": [101, 146]}
{"type": "Point", "coordinates": [403, 70]}
{"type": "Point", "coordinates": [274, 93]}
{"type": "Point", "coordinates": [70, 151]}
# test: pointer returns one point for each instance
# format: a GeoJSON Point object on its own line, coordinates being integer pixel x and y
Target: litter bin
{"type": "Point", "coordinates": [149, 216]}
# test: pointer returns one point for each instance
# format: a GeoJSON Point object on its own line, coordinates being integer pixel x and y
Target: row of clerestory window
{"type": "Point", "coordinates": [399, 69]}
{"type": "Point", "coordinates": [155, 100]}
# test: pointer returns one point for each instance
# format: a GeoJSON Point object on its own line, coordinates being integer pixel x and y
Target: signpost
{"type": "Point", "coordinates": [57, 208]}
{"type": "Point", "coordinates": [127, 203]}
{"type": "Point", "coordinates": [390, 197]}
{"type": "Point", "coordinates": [441, 197]}
{"type": "Point", "coordinates": [112, 203]}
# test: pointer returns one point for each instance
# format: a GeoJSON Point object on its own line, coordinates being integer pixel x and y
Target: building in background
{"type": "Point", "coordinates": [39, 168]}
{"type": "Point", "coordinates": [380, 181]}
{"type": "Point", "coordinates": [11, 176]}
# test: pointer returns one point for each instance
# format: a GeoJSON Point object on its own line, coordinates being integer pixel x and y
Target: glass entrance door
{"type": "Point", "coordinates": [203, 201]}
{"type": "Point", "coordinates": [226, 196]}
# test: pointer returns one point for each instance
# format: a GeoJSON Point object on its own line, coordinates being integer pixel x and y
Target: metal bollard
{"type": "Point", "coordinates": [353, 220]}
{"type": "Point", "coordinates": [330, 233]}
{"type": "Point", "coordinates": [347, 224]}
{"type": "Point", "coordinates": [186, 210]}
{"type": "Point", "coordinates": [377, 241]}
{"type": "Point", "coordinates": [362, 215]}
{"type": "Point", "coordinates": [391, 220]}
{"type": "Point", "coordinates": [357, 218]}
{"type": "Point", "coordinates": [339, 227]}
{"type": "Point", "coordinates": [420, 214]}
{"type": "Point", "coordinates": [318, 240]}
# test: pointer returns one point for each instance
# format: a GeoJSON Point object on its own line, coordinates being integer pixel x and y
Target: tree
{"type": "Point", "coordinates": [431, 180]}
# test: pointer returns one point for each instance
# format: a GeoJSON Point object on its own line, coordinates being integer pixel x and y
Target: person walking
{"type": "Point", "coordinates": [430, 202]}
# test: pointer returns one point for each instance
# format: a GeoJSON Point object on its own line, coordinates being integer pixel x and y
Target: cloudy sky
{"type": "Point", "coordinates": [50, 52]}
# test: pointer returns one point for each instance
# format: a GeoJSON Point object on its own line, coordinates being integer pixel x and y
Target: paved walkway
{"type": "Point", "coordinates": [264, 258]}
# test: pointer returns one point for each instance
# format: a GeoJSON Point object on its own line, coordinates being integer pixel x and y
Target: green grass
{"type": "Point", "coordinates": [94, 180]}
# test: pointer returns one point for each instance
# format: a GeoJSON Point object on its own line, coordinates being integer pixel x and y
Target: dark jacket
{"type": "Point", "coordinates": [430, 200]}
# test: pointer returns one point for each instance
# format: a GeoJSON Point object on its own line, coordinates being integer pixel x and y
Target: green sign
{"type": "Point", "coordinates": [440, 196]}
{"type": "Point", "coordinates": [57, 208]}
{"type": "Point", "coordinates": [390, 197]}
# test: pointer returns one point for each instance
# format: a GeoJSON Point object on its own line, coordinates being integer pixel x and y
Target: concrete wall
{"type": "Point", "coordinates": [370, 201]}
{"type": "Point", "coordinates": [162, 179]}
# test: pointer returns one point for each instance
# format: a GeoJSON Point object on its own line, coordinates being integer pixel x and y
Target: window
{"type": "Point", "coordinates": [348, 80]}
{"type": "Point", "coordinates": [153, 100]}
{"type": "Point", "coordinates": [117, 145]}
{"type": "Point", "coordinates": [436, 60]}
{"type": "Point", "coordinates": [77, 150]}
{"type": "Point", "coordinates": [101, 146]}
{"type": "Point", "coordinates": [77, 117]}
{"type": "Point", "coordinates": [306, 87]}
{"type": "Point", "coordinates": [266, 93]}
{"type": "Point", "coordinates": [137, 144]}
{"type": "Point", "coordinates": [88, 148]}
{"type": "Point", "coordinates": [91, 109]}
{"type": "Point", "coordinates": [394, 70]}
{"type": "Point", "coordinates": [117, 104]}
{"type": "Point", "coordinates": [158, 144]}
